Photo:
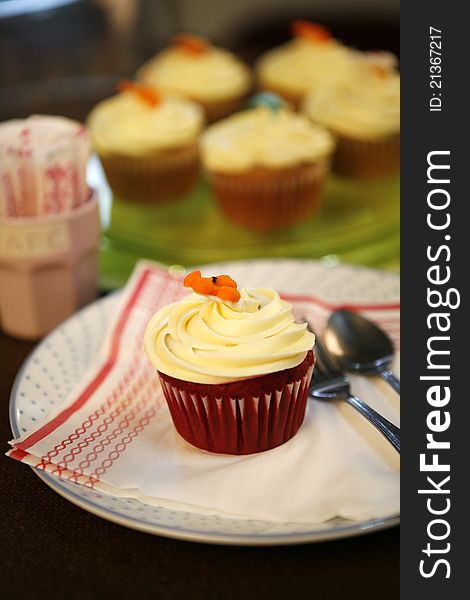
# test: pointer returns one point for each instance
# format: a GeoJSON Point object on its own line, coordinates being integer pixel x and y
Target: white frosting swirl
{"type": "Point", "coordinates": [301, 63]}
{"type": "Point", "coordinates": [213, 75]}
{"type": "Point", "coordinates": [366, 106]}
{"type": "Point", "coordinates": [127, 125]}
{"type": "Point", "coordinates": [263, 137]}
{"type": "Point", "coordinates": [206, 340]}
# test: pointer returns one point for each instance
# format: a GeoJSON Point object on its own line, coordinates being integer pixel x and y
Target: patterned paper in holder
{"type": "Point", "coordinates": [43, 162]}
{"type": "Point", "coordinates": [48, 268]}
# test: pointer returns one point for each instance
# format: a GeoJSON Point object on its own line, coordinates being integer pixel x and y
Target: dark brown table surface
{"type": "Point", "coordinates": [53, 549]}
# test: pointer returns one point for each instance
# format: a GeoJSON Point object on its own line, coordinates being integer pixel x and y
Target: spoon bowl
{"type": "Point", "coordinates": [360, 345]}
{"type": "Point", "coordinates": [330, 383]}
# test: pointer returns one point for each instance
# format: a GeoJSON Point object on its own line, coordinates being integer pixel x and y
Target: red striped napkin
{"type": "Point", "coordinates": [114, 433]}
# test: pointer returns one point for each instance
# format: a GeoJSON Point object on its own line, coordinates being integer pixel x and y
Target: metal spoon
{"type": "Point", "coordinates": [359, 345]}
{"type": "Point", "coordinates": [329, 383]}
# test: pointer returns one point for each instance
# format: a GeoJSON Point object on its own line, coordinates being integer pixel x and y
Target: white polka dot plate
{"type": "Point", "coordinates": [59, 361]}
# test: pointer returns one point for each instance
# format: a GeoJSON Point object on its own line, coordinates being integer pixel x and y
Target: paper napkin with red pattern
{"type": "Point", "coordinates": [114, 433]}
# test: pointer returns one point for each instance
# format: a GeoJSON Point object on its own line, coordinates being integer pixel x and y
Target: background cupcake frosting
{"type": "Point", "coordinates": [263, 137]}
{"type": "Point", "coordinates": [124, 124]}
{"type": "Point", "coordinates": [215, 74]}
{"type": "Point", "coordinates": [365, 105]}
{"type": "Point", "coordinates": [301, 63]}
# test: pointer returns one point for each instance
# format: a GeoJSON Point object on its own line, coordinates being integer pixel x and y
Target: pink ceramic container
{"type": "Point", "coordinates": [48, 268]}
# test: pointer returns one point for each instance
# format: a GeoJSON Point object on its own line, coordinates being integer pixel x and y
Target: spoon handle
{"type": "Point", "coordinates": [390, 378]}
{"type": "Point", "coordinates": [389, 430]}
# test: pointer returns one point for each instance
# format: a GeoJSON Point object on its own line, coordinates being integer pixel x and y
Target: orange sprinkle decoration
{"type": "Point", "coordinates": [192, 44]}
{"type": "Point", "coordinates": [221, 286]}
{"type": "Point", "coordinates": [225, 280]}
{"type": "Point", "coordinates": [144, 92]}
{"type": "Point", "coordinates": [228, 293]}
{"type": "Point", "coordinates": [310, 31]}
{"type": "Point", "coordinates": [192, 278]}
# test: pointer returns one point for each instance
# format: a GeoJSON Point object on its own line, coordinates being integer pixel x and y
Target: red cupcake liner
{"type": "Point", "coordinates": [218, 418]}
{"type": "Point", "coordinates": [153, 179]}
{"type": "Point", "coordinates": [367, 159]}
{"type": "Point", "coordinates": [269, 199]}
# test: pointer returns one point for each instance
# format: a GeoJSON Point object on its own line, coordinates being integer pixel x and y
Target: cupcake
{"type": "Point", "coordinates": [311, 59]}
{"type": "Point", "coordinates": [363, 113]}
{"type": "Point", "coordinates": [267, 166]}
{"type": "Point", "coordinates": [192, 67]}
{"type": "Point", "coordinates": [147, 142]}
{"type": "Point", "coordinates": [235, 368]}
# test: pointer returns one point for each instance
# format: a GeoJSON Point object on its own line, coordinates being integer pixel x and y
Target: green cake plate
{"type": "Point", "coordinates": [359, 223]}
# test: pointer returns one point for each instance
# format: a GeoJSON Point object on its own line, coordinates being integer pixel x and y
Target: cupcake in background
{"type": "Point", "coordinates": [147, 143]}
{"type": "Point", "coordinates": [234, 366]}
{"type": "Point", "coordinates": [363, 113]}
{"type": "Point", "coordinates": [267, 165]}
{"type": "Point", "coordinates": [310, 60]}
{"type": "Point", "coordinates": [192, 67]}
